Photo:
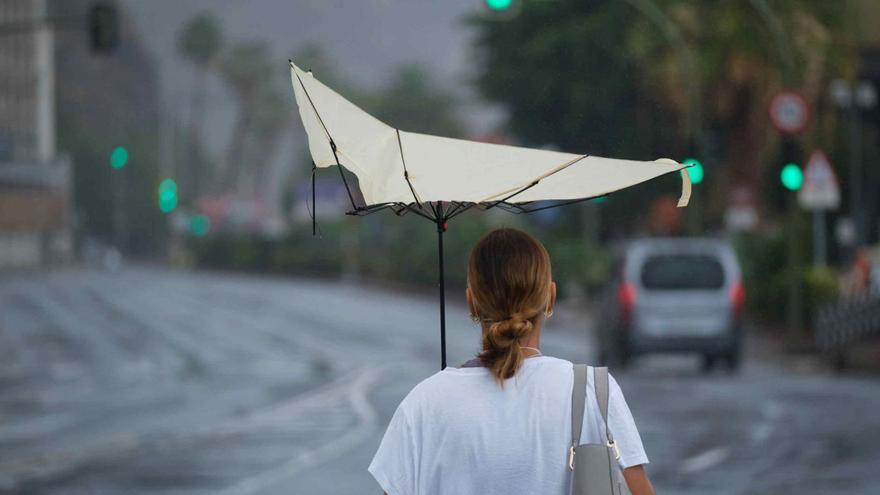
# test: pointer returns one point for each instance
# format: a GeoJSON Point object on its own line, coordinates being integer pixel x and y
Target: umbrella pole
{"type": "Point", "coordinates": [441, 227]}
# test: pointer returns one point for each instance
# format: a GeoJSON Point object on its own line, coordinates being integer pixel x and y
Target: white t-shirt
{"type": "Point", "coordinates": [458, 432]}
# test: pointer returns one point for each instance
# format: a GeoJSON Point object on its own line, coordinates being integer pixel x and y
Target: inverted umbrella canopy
{"type": "Point", "coordinates": [439, 177]}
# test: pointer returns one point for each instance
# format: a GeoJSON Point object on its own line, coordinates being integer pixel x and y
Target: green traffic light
{"type": "Point", "coordinates": [792, 177]}
{"type": "Point", "coordinates": [695, 171]}
{"type": "Point", "coordinates": [167, 195]}
{"type": "Point", "coordinates": [499, 4]}
{"type": "Point", "coordinates": [199, 225]}
{"type": "Point", "coordinates": [119, 157]}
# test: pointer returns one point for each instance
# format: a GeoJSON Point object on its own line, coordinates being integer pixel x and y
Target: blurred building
{"type": "Point", "coordinates": [106, 100]}
{"type": "Point", "coordinates": [35, 199]}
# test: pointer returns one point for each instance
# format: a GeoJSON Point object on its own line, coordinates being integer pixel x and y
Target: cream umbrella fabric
{"type": "Point", "coordinates": [400, 167]}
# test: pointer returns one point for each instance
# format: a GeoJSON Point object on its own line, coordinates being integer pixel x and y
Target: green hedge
{"type": "Point", "coordinates": [763, 260]}
{"type": "Point", "coordinates": [384, 247]}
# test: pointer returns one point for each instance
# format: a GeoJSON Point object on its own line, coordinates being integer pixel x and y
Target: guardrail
{"type": "Point", "coordinates": [846, 322]}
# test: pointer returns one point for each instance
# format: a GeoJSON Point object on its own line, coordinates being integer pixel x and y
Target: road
{"type": "Point", "coordinates": [154, 381]}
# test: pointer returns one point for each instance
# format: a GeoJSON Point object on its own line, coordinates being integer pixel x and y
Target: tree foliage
{"type": "Point", "coordinates": [603, 76]}
{"type": "Point", "coordinates": [557, 68]}
{"type": "Point", "coordinates": [412, 102]}
{"type": "Point", "coordinates": [200, 39]}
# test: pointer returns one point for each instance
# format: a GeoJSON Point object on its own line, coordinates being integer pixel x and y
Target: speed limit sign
{"type": "Point", "coordinates": [789, 112]}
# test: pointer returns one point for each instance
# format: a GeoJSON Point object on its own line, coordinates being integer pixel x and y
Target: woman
{"type": "Point", "coordinates": [500, 423]}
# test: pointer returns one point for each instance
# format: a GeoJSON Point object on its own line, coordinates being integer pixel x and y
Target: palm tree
{"type": "Point", "coordinates": [199, 41]}
{"type": "Point", "coordinates": [247, 69]}
{"type": "Point", "coordinates": [741, 64]}
{"type": "Point", "coordinates": [273, 116]}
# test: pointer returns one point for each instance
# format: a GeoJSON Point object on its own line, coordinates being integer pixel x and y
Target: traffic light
{"type": "Point", "coordinates": [792, 177]}
{"type": "Point", "coordinates": [118, 157]}
{"type": "Point", "coordinates": [167, 195]}
{"type": "Point", "coordinates": [199, 225]}
{"type": "Point", "coordinates": [499, 4]}
{"type": "Point", "coordinates": [695, 170]}
{"type": "Point", "coordinates": [103, 27]}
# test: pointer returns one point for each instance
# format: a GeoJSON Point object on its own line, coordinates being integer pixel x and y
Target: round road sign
{"type": "Point", "coordinates": [789, 112]}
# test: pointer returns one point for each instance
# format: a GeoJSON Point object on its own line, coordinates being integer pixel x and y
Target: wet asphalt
{"type": "Point", "coordinates": [149, 380]}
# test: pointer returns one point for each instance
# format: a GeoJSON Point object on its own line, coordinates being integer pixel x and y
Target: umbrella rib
{"type": "Point", "coordinates": [461, 209]}
{"type": "Point", "coordinates": [452, 211]}
{"type": "Point", "coordinates": [314, 108]}
{"type": "Point", "coordinates": [406, 172]}
{"type": "Point", "coordinates": [534, 181]}
{"type": "Point", "coordinates": [342, 174]}
{"type": "Point", "coordinates": [366, 210]}
{"type": "Point", "coordinates": [434, 210]}
{"type": "Point", "coordinates": [329, 137]}
{"type": "Point", "coordinates": [557, 205]}
{"type": "Point", "coordinates": [511, 207]}
{"type": "Point", "coordinates": [418, 211]}
{"type": "Point", "coordinates": [504, 200]}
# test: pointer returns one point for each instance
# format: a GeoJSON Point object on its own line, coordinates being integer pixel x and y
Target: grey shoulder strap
{"type": "Point", "coordinates": [578, 399]}
{"type": "Point", "coordinates": [600, 383]}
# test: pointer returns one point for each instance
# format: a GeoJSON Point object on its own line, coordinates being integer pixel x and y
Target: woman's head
{"type": "Point", "coordinates": [509, 289]}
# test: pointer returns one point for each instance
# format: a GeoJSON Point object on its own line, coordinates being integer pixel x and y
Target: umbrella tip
{"type": "Point", "coordinates": [667, 160]}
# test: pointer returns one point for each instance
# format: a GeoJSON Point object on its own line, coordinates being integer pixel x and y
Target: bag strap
{"type": "Point", "coordinates": [578, 398]}
{"type": "Point", "coordinates": [600, 383]}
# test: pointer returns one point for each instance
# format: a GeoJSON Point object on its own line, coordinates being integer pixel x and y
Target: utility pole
{"type": "Point", "coordinates": [855, 98]}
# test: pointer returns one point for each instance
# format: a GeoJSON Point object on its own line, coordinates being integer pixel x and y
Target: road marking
{"type": "Point", "coordinates": [705, 460]}
{"type": "Point", "coordinates": [771, 412]}
{"type": "Point", "coordinates": [367, 422]}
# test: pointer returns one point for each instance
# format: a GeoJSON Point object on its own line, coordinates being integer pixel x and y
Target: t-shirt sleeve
{"type": "Point", "coordinates": [393, 466]}
{"type": "Point", "coordinates": [623, 428]}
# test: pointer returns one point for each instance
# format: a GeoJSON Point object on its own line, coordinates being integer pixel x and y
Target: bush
{"type": "Point", "coordinates": [763, 266]}
{"type": "Point", "coordinates": [821, 287]}
{"type": "Point", "coordinates": [388, 248]}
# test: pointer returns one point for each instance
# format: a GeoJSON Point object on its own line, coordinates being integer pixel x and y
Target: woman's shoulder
{"type": "Point", "coordinates": [426, 392]}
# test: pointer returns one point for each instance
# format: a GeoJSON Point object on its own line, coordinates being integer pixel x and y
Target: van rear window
{"type": "Point", "coordinates": [682, 272]}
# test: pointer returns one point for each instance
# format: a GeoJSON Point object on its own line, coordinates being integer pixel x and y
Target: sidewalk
{"type": "Point", "coordinates": [766, 343]}
{"type": "Point", "coordinates": [762, 344]}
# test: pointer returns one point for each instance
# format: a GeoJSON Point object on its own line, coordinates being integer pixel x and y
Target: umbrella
{"type": "Point", "coordinates": [438, 177]}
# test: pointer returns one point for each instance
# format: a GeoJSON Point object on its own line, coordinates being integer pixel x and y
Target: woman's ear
{"type": "Point", "coordinates": [552, 296]}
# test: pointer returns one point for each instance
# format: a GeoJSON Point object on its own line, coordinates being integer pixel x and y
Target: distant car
{"type": "Point", "coordinates": [673, 295]}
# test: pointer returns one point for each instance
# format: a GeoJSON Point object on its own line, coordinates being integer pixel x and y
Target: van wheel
{"type": "Point", "coordinates": [708, 363]}
{"type": "Point", "coordinates": [732, 360]}
{"type": "Point", "coordinates": [602, 357]}
{"type": "Point", "coordinates": [623, 359]}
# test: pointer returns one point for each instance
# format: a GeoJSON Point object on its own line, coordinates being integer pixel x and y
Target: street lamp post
{"type": "Point", "coordinates": [854, 99]}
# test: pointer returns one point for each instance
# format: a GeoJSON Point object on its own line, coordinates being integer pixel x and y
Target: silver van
{"type": "Point", "coordinates": [673, 295]}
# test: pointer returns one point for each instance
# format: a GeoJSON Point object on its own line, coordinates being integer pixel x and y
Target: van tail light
{"type": "Point", "coordinates": [626, 298]}
{"type": "Point", "coordinates": [737, 297]}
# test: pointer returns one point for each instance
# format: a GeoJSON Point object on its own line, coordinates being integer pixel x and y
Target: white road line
{"type": "Point", "coordinates": [705, 460]}
{"type": "Point", "coordinates": [770, 413]}
{"type": "Point", "coordinates": [367, 423]}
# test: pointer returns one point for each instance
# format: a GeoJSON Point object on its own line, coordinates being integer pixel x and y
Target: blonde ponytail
{"type": "Point", "coordinates": [509, 277]}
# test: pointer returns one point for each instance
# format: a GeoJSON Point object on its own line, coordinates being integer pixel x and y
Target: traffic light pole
{"type": "Point", "coordinates": [820, 257]}
{"type": "Point", "coordinates": [855, 172]}
{"type": "Point", "coordinates": [794, 308]}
